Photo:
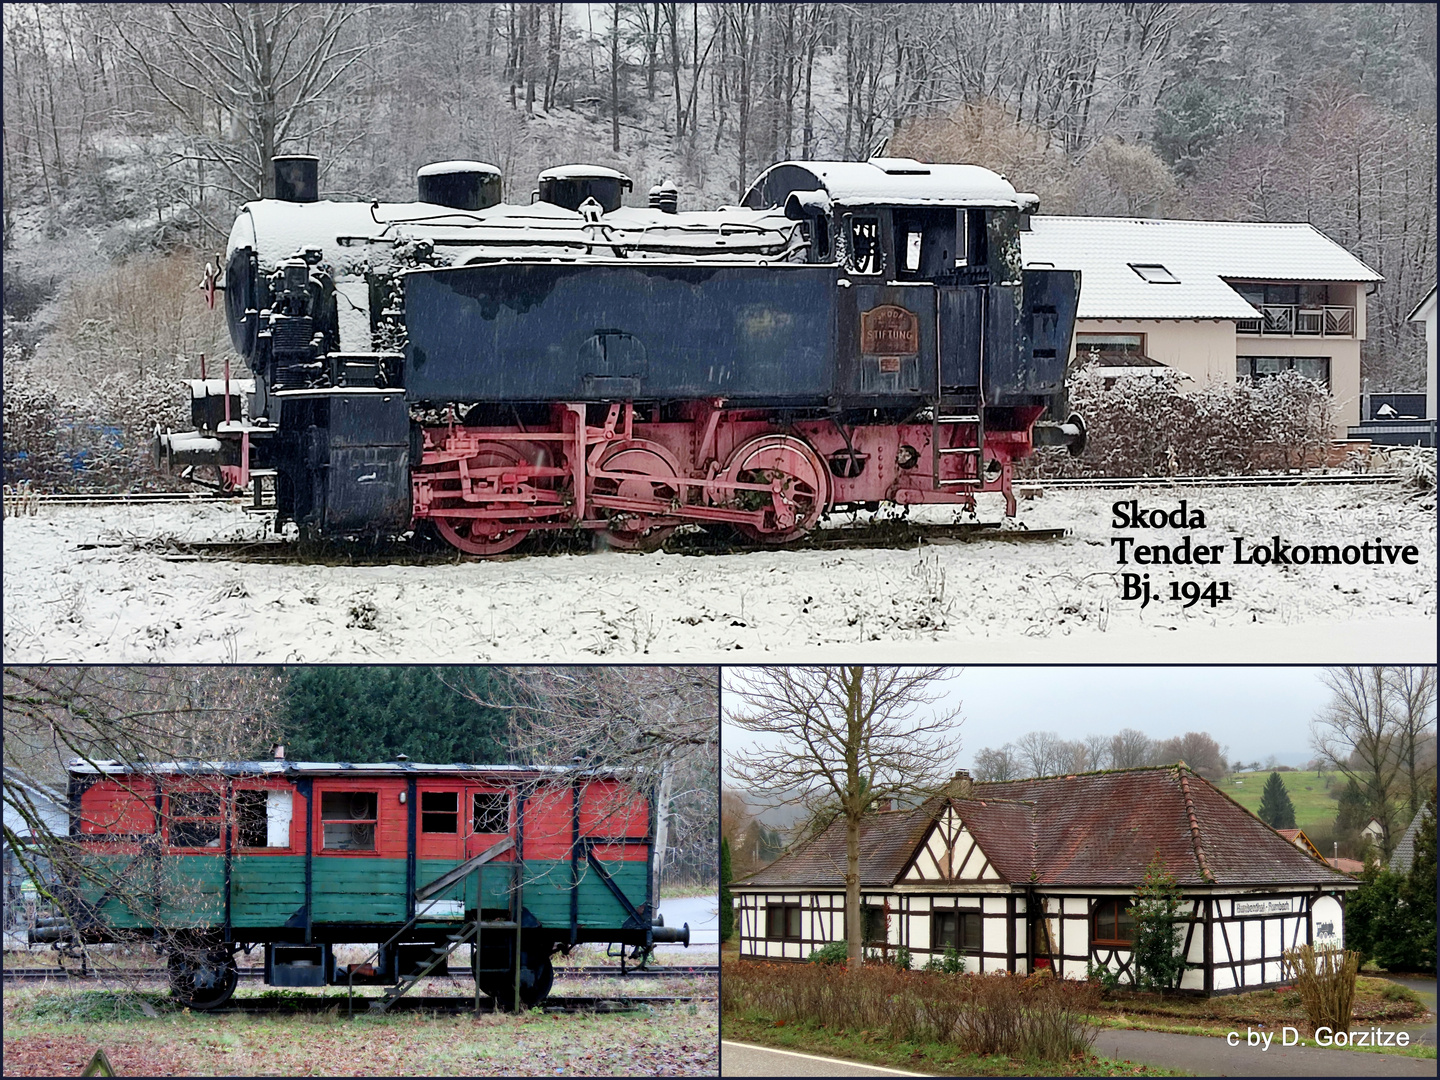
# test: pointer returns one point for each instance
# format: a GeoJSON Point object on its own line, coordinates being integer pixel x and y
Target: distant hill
{"type": "Point", "coordinates": [1313, 805]}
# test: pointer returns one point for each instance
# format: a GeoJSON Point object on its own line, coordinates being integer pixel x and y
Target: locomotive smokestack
{"type": "Point", "coordinates": [297, 178]}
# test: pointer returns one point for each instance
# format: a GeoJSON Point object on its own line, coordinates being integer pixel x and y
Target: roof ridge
{"type": "Point", "coordinates": [1180, 770]}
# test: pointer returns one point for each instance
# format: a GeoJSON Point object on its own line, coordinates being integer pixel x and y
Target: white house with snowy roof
{"type": "Point", "coordinates": [1214, 300]}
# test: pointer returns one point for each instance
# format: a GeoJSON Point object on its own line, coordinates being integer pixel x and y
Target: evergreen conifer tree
{"type": "Point", "coordinates": [727, 904]}
{"type": "Point", "coordinates": [1276, 809]}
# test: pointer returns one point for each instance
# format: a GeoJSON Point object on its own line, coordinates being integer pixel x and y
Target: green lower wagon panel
{"type": "Point", "coordinates": [268, 890]}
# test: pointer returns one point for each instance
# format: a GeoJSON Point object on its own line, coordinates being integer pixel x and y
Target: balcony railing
{"type": "Point", "coordinates": [1288, 320]}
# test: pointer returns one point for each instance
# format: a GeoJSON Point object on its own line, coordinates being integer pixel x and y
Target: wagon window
{"type": "Point", "coordinates": [349, 820]}
{"type": "Point", "coordinates": [440, 811]}
{"type": "Point", "coordinates": [1113, 923]}
{"type": "Point", "coordinates": [492, 812]}
{"type": "Point", "coordinates": [251, 827]}
{"type": "Point", "coordinates": [865, 256]}
{"type": "Point", "coordinates": [782, 922]}
{"type": "Point", "coordinates": [195, 820]}
{"type": "Point", "coordinates": [957, 929]}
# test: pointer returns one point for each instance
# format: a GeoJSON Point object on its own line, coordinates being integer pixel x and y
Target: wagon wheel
{"type": "Point", "coordinates": [202, 980]}
{"type": "Point", "coordinates": [651, 472]}
{"type": "Point", "coordinates": [803, 489]}
{"type": "Point", "coordinates": [479, 536]}
{"type": "Point", "coordinates": [535, 986]}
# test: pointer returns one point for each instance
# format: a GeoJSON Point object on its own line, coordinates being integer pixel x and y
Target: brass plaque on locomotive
{"type": "Point", "coordinates": [889, 330]}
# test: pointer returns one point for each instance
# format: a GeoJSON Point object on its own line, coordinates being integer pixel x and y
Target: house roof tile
{"type": "Point", "coordinates": [1099, 829]}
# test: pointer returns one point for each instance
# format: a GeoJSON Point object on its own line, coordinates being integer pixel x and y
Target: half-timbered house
{"type": "Point", "coordinates": [1027, 874]}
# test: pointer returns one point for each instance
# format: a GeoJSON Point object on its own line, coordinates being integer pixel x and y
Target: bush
{"type": "Point", "coordinates": [1326, 981]}
{"type": "Point", "coordinates": [952, 963]}
{"type": "Point", "coordinates": [836, 952]}
{"type": "Point", "coordinates": [1035, 1018]}
{"type": "Point", "coordinates": [1146, 426]}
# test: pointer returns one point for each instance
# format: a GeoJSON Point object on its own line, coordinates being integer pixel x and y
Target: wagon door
{"type": "Point", "coordinates": [614, 827]}
{"type": "Point", "coordinates": [490, 815]}
{"type": "Point", "coordinates": [441, 828]}
{"type": "Point", "coordinates": [360, 851]}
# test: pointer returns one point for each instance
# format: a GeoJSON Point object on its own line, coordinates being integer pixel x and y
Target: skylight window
{"type": "Point", "coordinates": [1155, 273]}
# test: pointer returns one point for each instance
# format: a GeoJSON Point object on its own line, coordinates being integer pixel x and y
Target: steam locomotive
{"type": "Point", "coordinates": [853, 333]}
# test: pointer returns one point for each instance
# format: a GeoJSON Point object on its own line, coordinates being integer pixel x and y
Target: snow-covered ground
{"type": "Point", "coordinates": [986, 600]}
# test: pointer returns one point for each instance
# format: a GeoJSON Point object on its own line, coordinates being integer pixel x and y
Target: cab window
{"type": "Point", "coordinates": [348, 819]}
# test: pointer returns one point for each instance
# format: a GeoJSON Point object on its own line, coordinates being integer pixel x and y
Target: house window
{"type": "Point", "coordinates": [872, 921]}
{"type": "Point", "coordinates": [865, 256]}
{"type": "Point", "coordinates": [1110, 344]}
{"type": "Point", "coordinates": [1112, 923]}
{"type": "Point", "coordinates": [195, 820]}
{"type": "Point", "coordinates": [1265, 367]}
{"type": "Point", "coordinates": [348, 819]}
{"type": "Point", "coordinates": [251, 822]}
{"type": "Point", "coordinates": [440, 811]}
{"type": "Point", "coordinates": [492, 812]}
{"type": "Point", "coordinates": [1155, 274]}
{"type": "Point", "coordinates": [782, 922]}
{"type": "Point", "coordinates": [955, 929]}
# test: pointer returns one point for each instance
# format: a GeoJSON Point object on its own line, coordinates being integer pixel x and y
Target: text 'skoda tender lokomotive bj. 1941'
{"type": "Point", "coordinates": [854, 333]}
{"type": "Point", "coordinates": [207, 858]}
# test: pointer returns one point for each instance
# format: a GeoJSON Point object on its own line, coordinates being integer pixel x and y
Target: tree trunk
{"type": "Point", "coordinates": [615, 81]}
{"type": "Point", "coordinates": [662, 823]}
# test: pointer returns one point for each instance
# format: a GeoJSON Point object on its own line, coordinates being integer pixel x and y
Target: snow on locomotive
{"type": "Point", "coordinates": [208, 858]}
{"type": "Point", "coordinates": [854, 333]}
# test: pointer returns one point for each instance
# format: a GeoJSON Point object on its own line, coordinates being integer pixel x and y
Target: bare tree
{"type": "Point", "coordinates": [1196, 749]}
{"type": "Point", "coordinates": [848, 737]}
{"type": "Point", "coordinates": [997, 764]}
{"type": "Point", "coordinates": [1413, 704]}
{"type": "Point", "coordinates": [1098, 750]}
{"type": "Point", "coordinates": [246, 81]}
{"type": "Point", "coordinates": [1359, 734]}
{"type": "Point", "coordinates": [1044, 753]}
{"type": "Point", "coordinates": [1130, 749]}
{"type": "Point", "coordinates": [657, 726]}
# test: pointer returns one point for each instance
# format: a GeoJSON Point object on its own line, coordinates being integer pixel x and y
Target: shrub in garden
{"type": "Point", "coordinates": [836, 952]}
{"type": "Point", "coordinates": [1035, 1018]}
{"type": "Point", "coordinates": [1147, 426]}
{"type": "Point", "coordinates": [1326, 981]}
{"type": "Point", "coordinates": [1158, 952]}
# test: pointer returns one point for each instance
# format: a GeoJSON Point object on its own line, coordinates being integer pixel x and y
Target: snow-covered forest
{"type": "Point", "coordinates": [132, 132]}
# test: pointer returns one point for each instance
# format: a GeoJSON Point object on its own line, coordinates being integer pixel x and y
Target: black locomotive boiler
{"type": "Point", "coordinates": [854, 333]}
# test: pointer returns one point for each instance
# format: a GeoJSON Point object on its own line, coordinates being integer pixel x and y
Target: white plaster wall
{"type": "Point", "coordinates": [1327, 909]}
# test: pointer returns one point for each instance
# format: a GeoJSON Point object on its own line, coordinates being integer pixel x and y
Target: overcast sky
{"type": "Point", "coordinates": [1253, 711]}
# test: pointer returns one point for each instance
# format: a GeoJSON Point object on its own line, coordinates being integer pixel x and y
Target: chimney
{"type": "Point", "coordinates": [279, 751]}
{"type": "Point", "coordinates": [961, 785]}
{"type": "Point", "coordinates": [883, 806]}
{"type": "Point", "coordinates": [297, 178]}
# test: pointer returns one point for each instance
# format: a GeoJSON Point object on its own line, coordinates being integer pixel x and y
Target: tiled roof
{"type": "Point", "coordinates": [887, 840]}
{"type": "Point", "coordinates": [1201, 254]}
{"type": "Point", "coordinates": [1404, 854]}
{"type": "Point", "coordinates": [1089, 829]}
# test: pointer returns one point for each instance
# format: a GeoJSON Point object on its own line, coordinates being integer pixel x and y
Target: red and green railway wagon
{"type": "Point", "coordinates": [209, 858]}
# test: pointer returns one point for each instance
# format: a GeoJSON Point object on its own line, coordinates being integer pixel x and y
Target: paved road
{"type": "Point", "coordinates": [1199, 1054]}
{"type": "Point", "coordinates": [743, 1059]}
{"type": "Point", "coordinates": [1206, 1055]}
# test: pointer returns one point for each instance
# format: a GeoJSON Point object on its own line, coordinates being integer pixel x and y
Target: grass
{"type": "Point", "coordinates": [867, 1047]}
{"type": "Point", "coordinates": [1314, 808]}
{"type": "Point", "coordinates": [52, 1032]}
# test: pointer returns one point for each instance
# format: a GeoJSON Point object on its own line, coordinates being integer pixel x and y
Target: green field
{"type": "Point", "coordinates": [1314, 808]}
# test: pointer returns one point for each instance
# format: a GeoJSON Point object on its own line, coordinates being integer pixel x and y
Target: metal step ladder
{"type": "Point", "coordinates": [439, 958]}
{"type": "Point", "coordinates": [958, 418]}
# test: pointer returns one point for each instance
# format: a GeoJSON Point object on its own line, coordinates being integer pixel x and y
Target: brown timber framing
{"type": "Point", "coordinates": [823, 921]}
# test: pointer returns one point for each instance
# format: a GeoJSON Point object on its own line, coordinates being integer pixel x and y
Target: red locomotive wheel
{"type": "Point", "coordinates": [476, 537]}
{"type": "Point", "coordinates": [651, 475]}
{"type": "Point", "coordinates": [804, 488]}
{"type": "Point", "coordinates": [479, 536]}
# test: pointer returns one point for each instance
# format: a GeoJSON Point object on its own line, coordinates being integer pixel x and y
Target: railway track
{"type": "Point", "coordinates": [1259, 480]}
{"type": "Point", "coordinates": [66, 974]}
{"type": "Point", "coordinates": [553, 1004]}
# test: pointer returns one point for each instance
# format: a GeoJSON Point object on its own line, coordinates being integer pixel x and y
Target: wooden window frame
{"type": "Point", "coordinates": [374, 822]}
{"type": "Point", "coordinates": [174, 818]}
{"type": "Point", "coordinates": [961, 915]}
{"type": "Point", "coordinates": [506, 800]}
{"type": "Point", "coordinates": [1115, 905]}
{"type": "Point", "coordinates": [783, 910]}
{"type": "Point", "coordinates": [453, 814]}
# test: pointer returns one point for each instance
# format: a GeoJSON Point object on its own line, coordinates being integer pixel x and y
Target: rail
{"type": "Point", "coordinates": [1293, 320]}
